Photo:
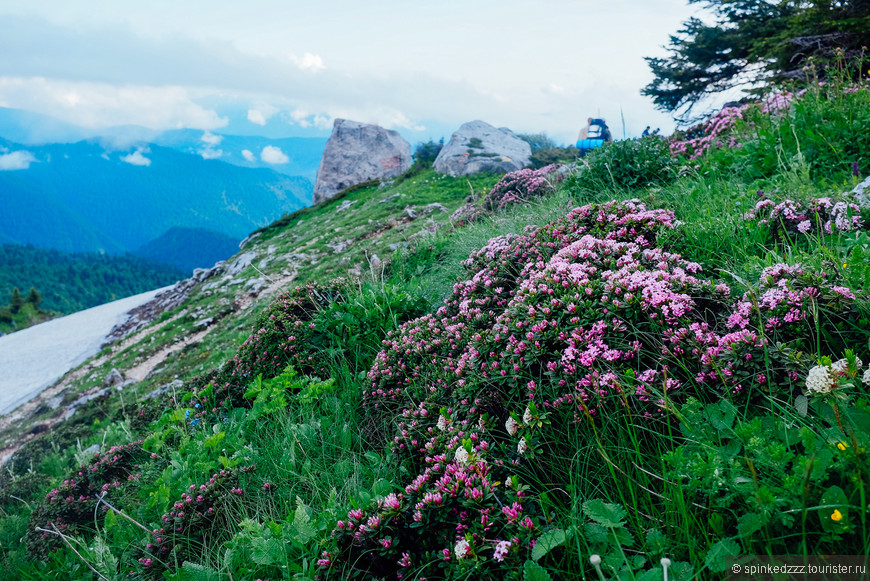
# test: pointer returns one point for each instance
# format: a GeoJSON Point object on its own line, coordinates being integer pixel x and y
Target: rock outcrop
{"type": "Point", "coordinates": [861, 194]}
{"type": "Point", "coordinates": [359, 152]}
{"type": "Point", "coordinates": [478, 146]}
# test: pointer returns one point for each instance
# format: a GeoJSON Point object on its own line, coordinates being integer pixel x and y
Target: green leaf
{"type": "Point", "coordinates": [302, 523]}
{"type": "Point", "coordinates": [196, 572]}
{"type": "Point", "coordinates": [267, 551]}
{"type": "Point", "coordinates": [605, 513]}
{"type": "Point", "coordinates": [534, 572]}
{"type": "Point", "coordinates": [154, 442]}
{"type": "Point", "coordinates": [656, 542]}
{"type": "Point", "coordinates": [722, 555]}
{"type": "Point", "coordinates": [801, 403]}
{"type": "Point", "coordinates": [749, 523]}
{"type": "Point", "coordinates": [654, 574]}
{"type": "Point", "coordinates": [722, 415]}
{"type": "Point", "coordinates": [213, 441]}
{"type": "Point", "coordinates": [547, 542]}
{"type": "Point", "coordinates": [111, 520]}
{"type": "Point", "coordinates": [834, 515]}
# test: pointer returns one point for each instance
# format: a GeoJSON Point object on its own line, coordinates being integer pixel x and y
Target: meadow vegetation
{"type": "Point", "coordinates": [636, 369]}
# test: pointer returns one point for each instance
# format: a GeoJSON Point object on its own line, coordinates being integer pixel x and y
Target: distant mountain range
{"type": "Point", "coordinates": [189, 248]}
{"type": "Point", "coordinates": [295, 156]}
{"type": "Point", "coordinates": [83, 197]}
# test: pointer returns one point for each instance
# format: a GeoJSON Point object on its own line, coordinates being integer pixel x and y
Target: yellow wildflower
{"type": "Point", "coordinates": [836, 516]}
{"type": "Point", "coordinates": [842, 446]}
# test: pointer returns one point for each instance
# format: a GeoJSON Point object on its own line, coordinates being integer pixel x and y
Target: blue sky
{"type": "Point", "coordinates": [283, 68]}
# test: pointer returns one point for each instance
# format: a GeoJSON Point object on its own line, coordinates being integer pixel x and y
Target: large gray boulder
{"type": "Point", "coordinates": [359, 152]}
{"type": "Point", "coordinates": [478, 146]}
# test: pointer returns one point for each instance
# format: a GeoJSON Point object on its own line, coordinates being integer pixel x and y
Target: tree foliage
{"type": "Point", "coordinates": [749, 41]}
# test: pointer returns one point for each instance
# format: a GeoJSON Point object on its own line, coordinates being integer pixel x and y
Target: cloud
{"type": "Point", "coordinates": [16, 160]}
{"type": "Point", "coordinates": [272, 154]}
{"type": "Point", "coordinates": [300, 116]}
{"type": "Point", "coordinates": [209, 153]}
{"type": "Point", "coordinates": [249, 155]}
{"type": "Point", "coordinates": [308, 62]}
{"type": "Point", "coordinates": [136, 158]}
{"type": "Point", "coordinates": [256, 117]}
{"type": "Point", "coordinates": [211, 139]}
{"type": "Point", "coordinates": [100, 105]}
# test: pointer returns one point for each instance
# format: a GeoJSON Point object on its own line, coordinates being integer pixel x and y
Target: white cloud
{"type": "Point", "coordinates": [100, 105]}
{"type": "Point", "coordinates": [16, 160]}
{"type": "Point", "coordinates": [209, 153]}
{"type": "Point", "coordinates": [211, 139]}
{"type": "Point", "coordinates": [272, 154]}
{"type": "Point", "coordinates": [256, 117]}
{"type": "Point", "coordinates": [136, 158]}
{"type": "Point", "coordinates": [300, 116]}
{"type": "Point", "coordinates": [323, 121]}
{"type": "Point", "coordinates": [249, 155]}
{"type": "Point", "coordinates": [308, 62]}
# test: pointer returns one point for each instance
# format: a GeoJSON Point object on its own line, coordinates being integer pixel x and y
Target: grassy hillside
{"type": "Point", "coordinates": [642, 367]}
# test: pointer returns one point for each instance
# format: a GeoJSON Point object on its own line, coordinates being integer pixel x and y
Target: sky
{"type": "Point", "coordinates": [284, 68]}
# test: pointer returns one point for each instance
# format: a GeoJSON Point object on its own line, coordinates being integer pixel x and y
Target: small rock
{"type": "Point", "coordinates": [339, 246]}
{"type": "Point", "coordinates": [113, 378]}
{"type": "Point", "coordinates": [203, 322]}
{"type": "Point", "coordinates": [345, 204]}
{"type": "Point", "coordinates": [241, 263]}
{"type": "Point", "coordinates": [410, 213]}
{"type": "Point", "coordinates": [250, 238]}
{"type": "Point", "coordinates": [434, 207]}
{"type": "Point", "coordinates": [861, 193]}
{"type": "Point", "coordinates": [389, 199]}
{"type": "Point", "coordinates": [165, 388]}
{"type": "Point", "coordinates": [91, 450]}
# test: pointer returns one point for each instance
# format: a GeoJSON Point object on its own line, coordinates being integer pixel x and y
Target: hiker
{"type": "Point", "coordinates": [656, 132]}
{"type": "Point", "coordinates": [645, 132]}
{"type": "Point", "coordinates": [584, 132]}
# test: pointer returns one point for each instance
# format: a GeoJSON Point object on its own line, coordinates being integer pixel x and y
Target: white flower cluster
{"type": "Point", "coordinates": [462, 549]}
{"type": "Point", "coordinates": [527, 416]}
{"type": "Point", "coordinates": [512, 426]}
{"type": "Point", "coordinates": [442, 423]}
{"type": "Point", "coordinates": [866, 378]}
{"type": "Point", "coordinates": [462, 455]}
{"type": "Point", "coordinates": [819, 380]}
{"type": "Point", "coordinates": [522, 446]}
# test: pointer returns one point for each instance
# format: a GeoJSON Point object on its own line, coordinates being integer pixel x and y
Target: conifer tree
{"type": "Point", "coordinates": [16, 302]}
{"type": "Point", "coordinates": [34, 298]}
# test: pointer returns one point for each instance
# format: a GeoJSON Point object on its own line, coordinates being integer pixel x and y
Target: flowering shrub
{"type": "Point", "coordinates": [456, 512]}
{"type": "Point", "coordinates": [70, 507]}
{"type": "Point", "coordinates": [711, 133]}
{"type": "Point", "coordinates": [200, 512]}
{"type": "Point", "coordinates": [518, 186]}
{"type": "Point", "coordinates": [790, 219]}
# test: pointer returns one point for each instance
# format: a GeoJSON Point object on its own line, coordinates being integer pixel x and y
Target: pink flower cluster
{"type": "Point", "coordinates": [197, 510]}
{"type": "Point", "coordinates": [71, 506]}
{"type": "Point", "coordinates": [709, 134]}
{"type": "Point", "coordinates": [518, 186]}
{"type": "Point", "coordinates": [817, 216]}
